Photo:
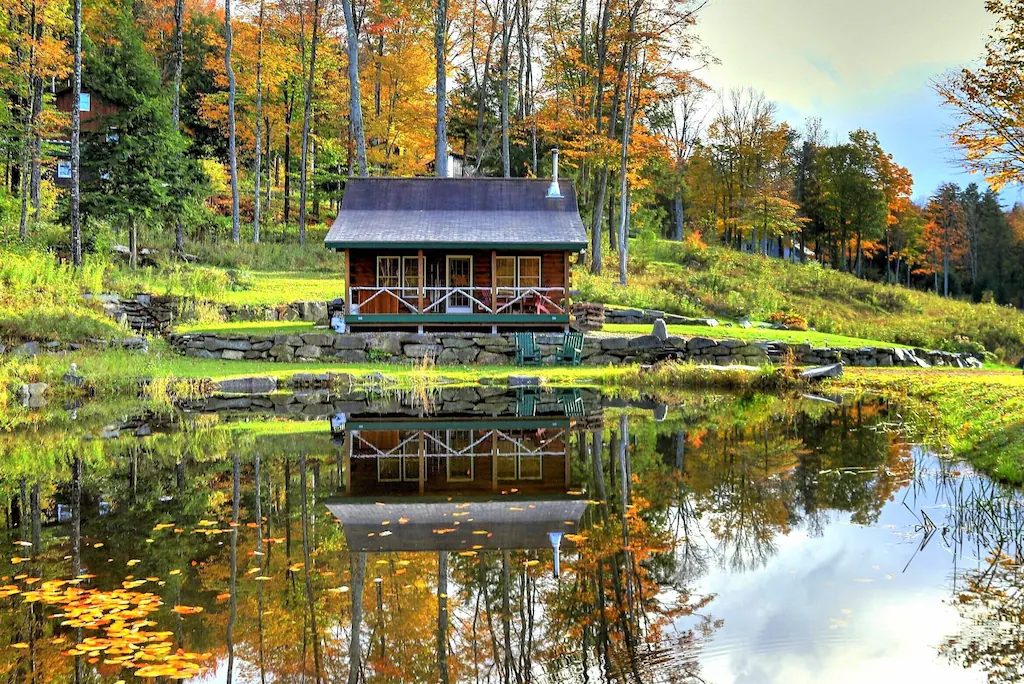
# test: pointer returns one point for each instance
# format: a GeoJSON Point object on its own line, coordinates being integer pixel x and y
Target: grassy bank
{"type": "Point", "coordinates": [976, 415]}
{"type": "Point", "coordinates": [711, 281]}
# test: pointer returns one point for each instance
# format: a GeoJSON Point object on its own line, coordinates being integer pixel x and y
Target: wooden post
{"type": "Point", "coordinates": [565, 299]}
{"type": "Point", "coordinates": [421, 270]}
{"type": "Point", "coordinates": [494, 281]}
{"type": "Point", "coordinates": [494, 460]}
{"type": "Point", "coordinates": [348, 462]}
{"type": "Point", "coordinates": [348, 281]}
{"type": "Point", "coordinates": [423, 460]}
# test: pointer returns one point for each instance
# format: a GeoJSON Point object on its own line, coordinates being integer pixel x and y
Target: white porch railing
{"type": "Point", "coordinates": [439, 300]}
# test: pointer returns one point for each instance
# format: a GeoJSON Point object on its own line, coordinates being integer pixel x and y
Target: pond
{"type": "Point", "coordinates": [497, 536]}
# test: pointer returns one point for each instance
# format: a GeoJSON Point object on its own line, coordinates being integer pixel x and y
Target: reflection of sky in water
{"type": "Point", "coordinates": [839, 607]}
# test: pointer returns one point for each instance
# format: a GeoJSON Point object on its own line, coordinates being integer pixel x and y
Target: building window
{"type": "Point", "coordinates": [388, 273]}
{"type": "Point", "coordinates": [505, 271]}
{"type": "Point", "coordinates": [411, 276]}
{"type": "Point", "coordinates": [63, 169]}
{"type": "Point", "coordinates": [84, 102]}
{"type": "Point", "coordinates": [529, 272]}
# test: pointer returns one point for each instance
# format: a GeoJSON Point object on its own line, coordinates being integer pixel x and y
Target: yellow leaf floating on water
{"type": "Point", "coordinates": [262, 578]}
{"type": "Point", "coordinates": [18, 559]}
{"type": "Point", "coordinates": [223, 597]}
{"type": "Point", "coordinates": [21, 644]}
{"type": "Point", "coordinates": [295, 567]}
{"type": "Point", "coordinates": [187, 610]}
{"type": "Point", "coordinates": [531, 562]}
{"type": "Point", "coordinates": [252, 571]}
{"type": "Point", "coordinates": [98, 545]}
{"type": "Point", "coordinates": [133, 562]}
{"type": "Point", "coordinates": [174, 572]}
{"type": "Point", "coordinates": [207, 523]}
{"type": "Point", "coordinates": [338, 590]}
{"type": "Point", "coordinates": [22, 542]}
{"type": "Point", "coordinates": [386, 533]}
{"type": "Point", "coordinates": [402, 521]}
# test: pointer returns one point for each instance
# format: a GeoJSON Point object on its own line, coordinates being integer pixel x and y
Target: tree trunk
{"type": "Point", "coordinates": [133, 244]}
{"type": "Point", "coordinates": [623, 176]}
{"type": "Point", "coordinates": [76, 128]}
{"type": "Point", "coordinates": [677, 201]}
{"type": "Point", "coordinates": [232, 152]}
{"type": "Point", "coordinates": [307, 111]}
{"type": "Point", "coordinates": [595, 230]}
{"type": "Point", "coordinates": [36, 82]}
{"type": "Point", "coordinates": [358, 562]}
{"type": "Point", "coordinates": [258, 162]}
{"type": "Point", "coordinates": [442, 611]}
{"type": "Point", "coordinates": [179, 56]}
{"type": "Point", "coordinates": [506, 164]}
{"type": "Point", "coordinates": [288, 159]}
{"type": "Point", "coordinates": [441, 131]}
{"type": "Point", "coordinates": [355, 104]}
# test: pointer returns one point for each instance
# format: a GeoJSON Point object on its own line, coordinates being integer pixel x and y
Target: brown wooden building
{"type": "Point", "coordinates": [435, 253]}
{"type": "Point", "coordinates": [95, 111]}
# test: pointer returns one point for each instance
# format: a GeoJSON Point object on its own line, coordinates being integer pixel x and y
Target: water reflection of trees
{"type": "Point", "coordinates": [284, 600]}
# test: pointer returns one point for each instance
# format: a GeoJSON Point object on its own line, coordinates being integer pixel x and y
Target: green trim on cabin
{"type": "Point", "coordinates": [370, 425]}
{"type": "Point", "coordinates": [421, 319]}
{"type": "Point", "coordinates": [513, 246]}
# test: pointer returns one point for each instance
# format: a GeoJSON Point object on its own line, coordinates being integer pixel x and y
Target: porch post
{"type": "Point", "coordinates": [421, 272]}
{"type": "Point", "coordinates": [494, 288]}
{"type": "Point", "coordinates": [348, 285]}
{"type": "Point", "coordinates": [565, 299]}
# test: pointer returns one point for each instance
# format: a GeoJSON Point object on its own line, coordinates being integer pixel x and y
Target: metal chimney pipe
{"type": "Point", "coordinates": [553, 190]}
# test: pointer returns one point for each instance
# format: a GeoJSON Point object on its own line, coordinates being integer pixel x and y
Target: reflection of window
{"type": "Point", "coordinates": [84, 102]}
{"type": "Point", "coordinates": [388, 274]}
{"type": "Point", "coordinates": [398, 468]}
{"type": "Point", "coordinates": [529, 271]}
{"type": "Point", "coordinates": [112, 136]}
{"type": "Point", "coordinates": [520, 467]}
{"type": "Point", "coordinates": [63, 169]}
{"type": "Point", "coordinates": [460, 468]}
{"type": "Point", "coordinates": [505, 271]}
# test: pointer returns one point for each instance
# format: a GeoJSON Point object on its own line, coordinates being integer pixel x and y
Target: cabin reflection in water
{"type": "Point", "coordinates": [417, 484]}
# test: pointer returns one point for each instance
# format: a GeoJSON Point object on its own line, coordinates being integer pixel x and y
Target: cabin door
{"type": "Point", "coordinates": [460, 275]}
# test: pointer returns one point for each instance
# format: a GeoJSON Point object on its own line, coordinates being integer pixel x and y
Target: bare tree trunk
{"type": "Point", "coordinates": [179, 57]}
{"type": "Point", "coordinates": [76, 128]}
{"type": "Point", "coordinates": [289, 110]}
{"type": "Point", "coordinates": [24, 181]}
{"type": "Point", "coordinates": [306, 116]}
{"type": "Point", "coordinates": [442, 613]}
{"type": "Point", "coordinates": [236, 234]}
{"type": "Point", "coordinates": [36, 83]}
{"type": "Point", "coordinates": [258, 163]}
{"type": "Point", "coordinates": [506, 164]}
{"type": "Point", "coordinates": [677, 201]}
{"type": "Point", "coordinates": [358, 561]}
{"type": "Point", "coordinates": [623, 178]}
{"type": "Point", "coordinates": [355, 103]}
{"type": "Point", "coordinates": [440, 52]}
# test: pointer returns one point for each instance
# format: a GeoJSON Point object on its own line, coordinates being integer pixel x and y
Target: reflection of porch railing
{"type": "Point", "coordinates": [439, 300]}
{"type": "Point", "coordinates": [484, 443]}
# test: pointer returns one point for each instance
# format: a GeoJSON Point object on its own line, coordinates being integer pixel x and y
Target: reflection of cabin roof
{"type": "Point", "coordinates": [431, 524]}
{"type": "Point", "coordinates": [477, 213]}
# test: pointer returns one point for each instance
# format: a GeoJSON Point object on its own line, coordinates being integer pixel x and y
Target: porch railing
{"type": "Point", "coordinates": [439, 300]}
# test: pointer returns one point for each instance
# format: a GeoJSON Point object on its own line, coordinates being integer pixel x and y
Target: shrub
{"type": "Point", "coordinates": [789, 320]}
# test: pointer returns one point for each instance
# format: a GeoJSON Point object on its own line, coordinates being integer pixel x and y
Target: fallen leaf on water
{"type": "Point", "coordinates": [98, 545]}
{"type": "Point", "coordinates": [386, 533]}
{"type": "Point", "coordinates": [187, 610]}
{"type": "Point", "coordinates": [295, 567]}
{"type": "Point", "coordinates": [223, 597]}
{"type": "Point", "coordinates": [22, 542]}
{"type": "Point", "coordinates": [402, 521]}
{"type": "Point", "coordinates": [133, 561]}
{"type": "Point", "coordinates": [261, 578]}
{"type": "Point", "coordinates": [20, 644]}
{"type": "Point", "coordinates": [174, 572]}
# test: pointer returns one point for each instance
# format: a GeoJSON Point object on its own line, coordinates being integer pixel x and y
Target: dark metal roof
{"type": "Point", "coordinates": [457, 212]}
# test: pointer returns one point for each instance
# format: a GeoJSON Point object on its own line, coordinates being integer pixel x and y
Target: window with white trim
{"type": "Point", "coordinates": [505, 271]}
{"type": "Point", "coordinates": [388, 272]}
{"type": "Point", "coordinates": [529, 271]}
{"type": "Point", "coordinates": [84, 102]}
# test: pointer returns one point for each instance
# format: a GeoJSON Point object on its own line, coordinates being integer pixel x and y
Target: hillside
{"type": "Point", "coordinates": [711, 281]}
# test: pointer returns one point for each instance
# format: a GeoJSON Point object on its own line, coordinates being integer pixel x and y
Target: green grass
{"type": "Point", "coordinates": [249, 328]}
{"type": "Point", "coordinates": [977, 415]}
{"type": "Point", "coordinates": [714, 281]}
{"type": "Point", "coordinates": [818, 339]}
{"type": "Point", "coordinates": [284, 287]}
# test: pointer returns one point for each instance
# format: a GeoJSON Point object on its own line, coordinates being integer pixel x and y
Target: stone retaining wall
{"type": "Point", "coordinates": [649, 316]}
{"type": "Point", "coordinates": [482, 349]}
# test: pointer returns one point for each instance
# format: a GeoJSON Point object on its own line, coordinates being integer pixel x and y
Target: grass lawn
{"type": "Point", "coordinates": [249, 328]}
{"type": "Point", "coordinates": [818, 339]}
{"type": "Point", "coordinates": [283, 287]}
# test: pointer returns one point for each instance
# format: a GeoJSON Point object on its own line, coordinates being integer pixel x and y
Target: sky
{"type": "Point", "coordinates": [862, 64]}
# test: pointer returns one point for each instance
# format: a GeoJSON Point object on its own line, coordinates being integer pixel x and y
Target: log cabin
{"type": "Point", "coordinates": [465, 253]}
{"type": "Point", "coordinates": [95, 111]}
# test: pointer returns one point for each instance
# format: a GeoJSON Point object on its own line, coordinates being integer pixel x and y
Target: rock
{"type": "Point", "coordinates": [459, 356]}
{"type": "Point", "coordinates": [310, 398]}
{"type": "Point", "coordinates": [645, 342]}
{"type": "Point", "coordinates": [290, 340]}
{"type": "Point", "coordinates": [262, 346]}
{"type": "Point", "coordinates": [834, 370]}
{"type": "Point", "coordinates": [228, 403]}
{"type": "Point", "coordinates": [26, 349]}
{"type": "Point", "coordinates": [711, 323]}
{"type": "Point", "coordinates": [202, 354]}
{"type": "Point", "coordinates": [308, 351]}
{"type": "Point", "coordinates": [699, 343]}
{"type": "Point", "coordinates": [744, 322]}
{"type": "Point", "coordinates": [489, 358]}
{"type": "Point", "coordinates": [387, 344]}
{"type": "Point", "coordinates": [420, 351]}
{"type": "Point", "coordinates": [140, 344]}
{"type": "Point", "coordinates": [456, 342]}
{"type": "Point", "coordinates": [351, 355]}
{"type": "Point", "coordinates": [318, 339]}
{"type": "Point", "coordinates": [419, 338]}
{"type": "Point", "coordinates": [284, 353]}
{"type": "Point", "coordinates": [252, 385]}
{"type": "Point", "coordinates": [660, 330]}
{"type": "Point", "coordinates": [32, 394]}
{"type": "Point", "coordinates": [72, 377]}
{"type": "Point", "coordinates": [349, 342]}
{"type": "Point", "coordinates": [525, 381]}
{"type": "Point", "coordinates": [232, 355]}
{"type": "Point", "coordinates": [311, 311]}
{"type": "Point", "coordinates": [218, 344]}
{"type": "Point", "coordinates": [614, 343]}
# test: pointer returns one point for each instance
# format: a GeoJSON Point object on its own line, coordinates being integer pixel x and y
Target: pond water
{"type": "Point", "coordinates": [502, 537]}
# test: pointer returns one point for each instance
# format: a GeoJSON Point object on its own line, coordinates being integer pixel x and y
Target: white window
{"type": "Point", "coordinates": [63, 169]}
{"type": "Point", "coordinates": [388, 273]}
{"type": "Point", "coordinates": [505, 271]}
{"type": "Point", "coordinates": [85, 102]}
{"type": "Point", "coordinates": [529, 272]}
{"type": "Point", "coordinates": [411, 275]}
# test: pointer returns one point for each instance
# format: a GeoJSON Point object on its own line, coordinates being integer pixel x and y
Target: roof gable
{"type": "Point", "coordinates": [457, 212]}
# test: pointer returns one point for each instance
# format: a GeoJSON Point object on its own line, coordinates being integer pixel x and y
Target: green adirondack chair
{"type": "Point", "coordinates": [572, 403]}
{"type": "Point", "coordinates": [527, 353]}
{"type": "Point", "coordinates": [572, 349]}
{"type": "Point", "coordinates": [526, 402]}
